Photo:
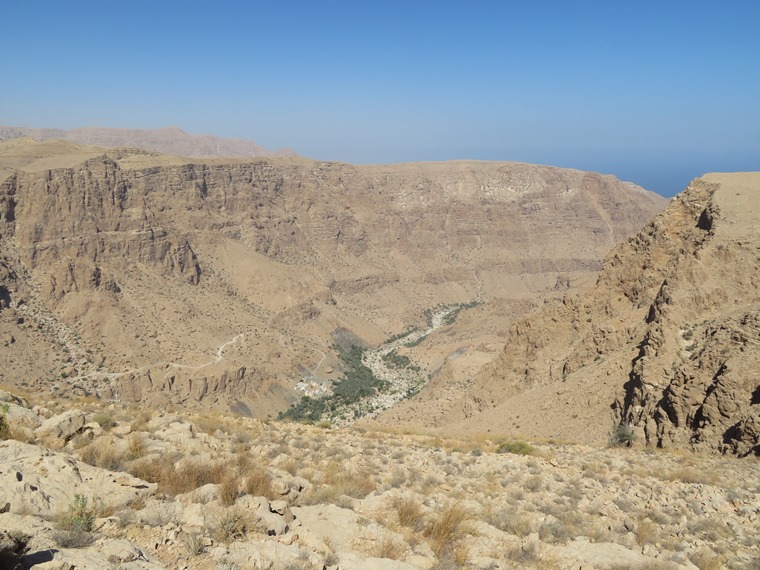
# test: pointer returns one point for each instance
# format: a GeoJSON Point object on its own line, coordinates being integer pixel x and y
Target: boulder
{"type": "Point", "coordinates": [61, 428]}
{"type": "Point", "coordinates": [17, 415]}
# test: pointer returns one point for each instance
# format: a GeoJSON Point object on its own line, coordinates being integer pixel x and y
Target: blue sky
{"type": "Point", "coordinates": [653, 92]}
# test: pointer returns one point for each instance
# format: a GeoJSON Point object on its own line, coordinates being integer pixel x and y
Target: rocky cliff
{"type": "Point", "coordinates": [664, 342]}
{"type": "Point", "coordinates": [158, 274]}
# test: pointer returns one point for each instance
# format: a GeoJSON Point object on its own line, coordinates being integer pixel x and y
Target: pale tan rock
{"type": "Point", "coordinates": [59, 429]}
{"type": "Point", "coordinates": [22, 416]}
{"type": "Point", "coordinates": [45, 483]}
{"type": "Point", "coordinates": [602, 555]}
{"type": "Point", "coordinates": [11, 398]}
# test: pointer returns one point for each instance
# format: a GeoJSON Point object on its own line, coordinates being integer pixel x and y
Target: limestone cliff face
{"type": "Point", "coordinates": [156, 260]}
{"type": "Point", "coordinates": [668, 333]}
{"type": "Point", "coordinates": [70, 221]}
{"type": "Point", "coordinates": [446, 218]}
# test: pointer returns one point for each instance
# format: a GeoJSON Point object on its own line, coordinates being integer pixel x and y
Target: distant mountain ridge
{"type": "Point", "coordinates": [167, 140]}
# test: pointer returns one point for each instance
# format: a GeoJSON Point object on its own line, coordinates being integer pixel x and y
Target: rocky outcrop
{"type": "Point", "coordinates": [162, 385]}
{"type": "Point", "coordinates": [41, 482]}
{"type": "Point", "coordinates": [666, 337]}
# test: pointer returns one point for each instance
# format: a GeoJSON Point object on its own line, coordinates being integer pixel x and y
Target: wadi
{"type": "Point", "coordinates": [258, 360]}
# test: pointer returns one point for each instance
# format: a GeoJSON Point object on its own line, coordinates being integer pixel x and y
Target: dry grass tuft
{"type": "Point", "coordinates": [356, 484]}
{"type": "Point", "coordinates": [102, 454]}
{"type": "Point", "coordinates": [140, 422]}
{"type": "Point", "coordinates": [175, 479]}
{"type": "Point", "coordinates": [449, 527]}
{"type": "Point", "coordinates": [706, 560]}
{"type": "Point", "coordinates": [258, 482]}
{"type": "Point", "coordinates": [228, 490]}
{"type": "Point", "coordinates": [646, 532]}
{"type": "Point", "coordinates": [692, 475]}
{"type": "Point", "coordinates": [409, 512]}
{"type": "Point", "coordinates": [135, 447]}
{"type": "Point", "coordinates": [390, 547]}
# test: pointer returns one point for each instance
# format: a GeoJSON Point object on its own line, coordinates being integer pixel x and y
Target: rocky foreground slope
{"type": "Point", "coordinates": [157, 279]}
{"type": "Point", "coordinates": [666, 342]}
{"type": "Point", "coordinates": [95, 486]}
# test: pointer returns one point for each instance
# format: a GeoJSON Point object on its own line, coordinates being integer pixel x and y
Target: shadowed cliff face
{"type": "Point", "coordinates": [664, 341]}
{"type": "Point", "coordinates": [154, 263]}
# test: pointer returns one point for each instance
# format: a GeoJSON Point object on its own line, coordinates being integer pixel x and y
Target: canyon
{"type": "Point", "coordinates": [125, 270]}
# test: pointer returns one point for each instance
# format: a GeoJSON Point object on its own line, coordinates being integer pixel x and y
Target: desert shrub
{"type": "Point", "coordinates": [534, 483]}
{"type": "Point", "coordinates": [135, 447]}
{"type": "Point", "coordinates": [691, 475]}
{"type": "Point", "coordinates": [233, 524]}
{"type": "Point", "coordinates": [352, 483]}
{"type": "Point", "coordinates": [75, 525]}
{"type": "Point", "coordinates": [554, 531]}
{"type": "Point", "coordinates": [193, 542]}
{"type": "Point", "coordinates": [646, 532]}
{"type": "Point", "coordinates": [507, 520]}
{"type": "Point", "coordinates": [73, 538]}
{"type": "Point", "coordinates": [321, 495]}
{"type": "Point", "coordinates": [80, 515]}
{"type": "Point", "coordinates": [397, 477]}
{"type": "Point", "coordinates": [711, 529]}
{"type": "Point", "coordinates": [193, 474]}
{"type": "Point", "coordinates": [516, 447]}
{"type": "Point", "coordinates": [161, 514]}
{"type": "Point", "coordinates": [104, 420]}
{"type": "Point", "coordinates": [4, 428]}
{"type": "Point", "coordinates": [291, 465]}
{"type": "Point", "coordinates": [707, 560]}
{"type": "Point", "coordinates": [622, 435]}
{"type": "Point", "coordinates": [339, 484]}
{"type": "Point", "coordinates": [140, 422]}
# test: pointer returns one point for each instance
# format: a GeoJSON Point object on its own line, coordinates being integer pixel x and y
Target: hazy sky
{"type": "Point", "coordinates": [656, 92]}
